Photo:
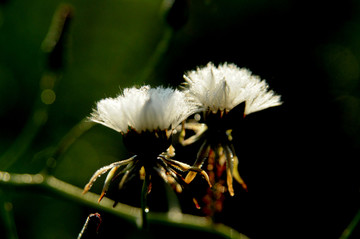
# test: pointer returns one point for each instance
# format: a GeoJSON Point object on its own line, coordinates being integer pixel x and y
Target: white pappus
{"type": "Point", "coordinates": [226, 86]}
{"type": "Point", "coordinates": [144, 109]}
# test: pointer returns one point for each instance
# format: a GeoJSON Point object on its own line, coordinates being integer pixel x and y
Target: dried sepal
{"type": "Point", "coordinates": [107, 182]}
{"type": "Point", "coordinates": [186, 167]}
{"type": "Point", "coordinates": [229, 170]}
{"type": "Point", "coordinates": [198, 128]}
{"type": "Point", "coordinates": [95, 176]}
{"type": "Point", "coordinates": [125, 176]}
{"type": "Point", "coordinates": [236, 174]}
{"type": "Point", "coordinates": [103, 170]}
{"type": "Point", "coordinates": [203, 154]}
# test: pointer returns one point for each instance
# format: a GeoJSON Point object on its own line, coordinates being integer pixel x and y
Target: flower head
{"type": "Point", "coordinates": [226, 86]}
{"type": "Point", "coordinates": [145, 117]}
{"type": "Point", "coordinates": [219, 90]}
{"type": "Point", "coordinates": [144, 109]}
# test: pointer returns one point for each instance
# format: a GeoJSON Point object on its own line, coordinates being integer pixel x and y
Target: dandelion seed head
{"type": "Point", "coordinates": [144, 109]}
{"type": "Point", "coordinates": [226, 86]}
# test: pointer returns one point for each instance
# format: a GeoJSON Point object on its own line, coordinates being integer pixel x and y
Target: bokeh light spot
{"type": "Point", "coordinates": [48, 96]}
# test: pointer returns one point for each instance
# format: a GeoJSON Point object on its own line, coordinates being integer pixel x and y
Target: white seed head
{"type": "Point", "coordinates": [144, 109]}
{"type": "Point", "coordinates": [226, 86]}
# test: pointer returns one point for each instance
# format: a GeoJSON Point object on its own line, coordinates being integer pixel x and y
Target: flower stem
{"type": "Point", "coordinates": [144, 208]}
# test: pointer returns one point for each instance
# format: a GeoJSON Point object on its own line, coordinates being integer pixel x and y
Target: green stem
{"type": "Point", "coordinates": [52, 185]}
{"type": "Point", "coordinates": [8, 216]}
{"type": "Point", "coordinates": [144, 207]}
{"type": "Point", "coordinates": [56, 187]}
{"type": "Point", "coordinates": [350, 228]}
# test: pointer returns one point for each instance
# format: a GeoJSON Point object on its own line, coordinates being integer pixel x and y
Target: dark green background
{"type": "Point", "coordinates": [299, 159]}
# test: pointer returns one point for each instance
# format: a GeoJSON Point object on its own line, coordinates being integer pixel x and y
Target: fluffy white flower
{"type": "Point", "coordinates": [144, 109]}
{"type": "Point", "coordinates": [226, 86]}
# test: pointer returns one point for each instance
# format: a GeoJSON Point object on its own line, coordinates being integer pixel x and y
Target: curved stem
{"type": "Point", "coordinates": [54, 186]}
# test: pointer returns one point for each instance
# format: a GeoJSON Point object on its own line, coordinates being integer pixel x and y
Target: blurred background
{"type": "Point", "coordinates": [298, 160]}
